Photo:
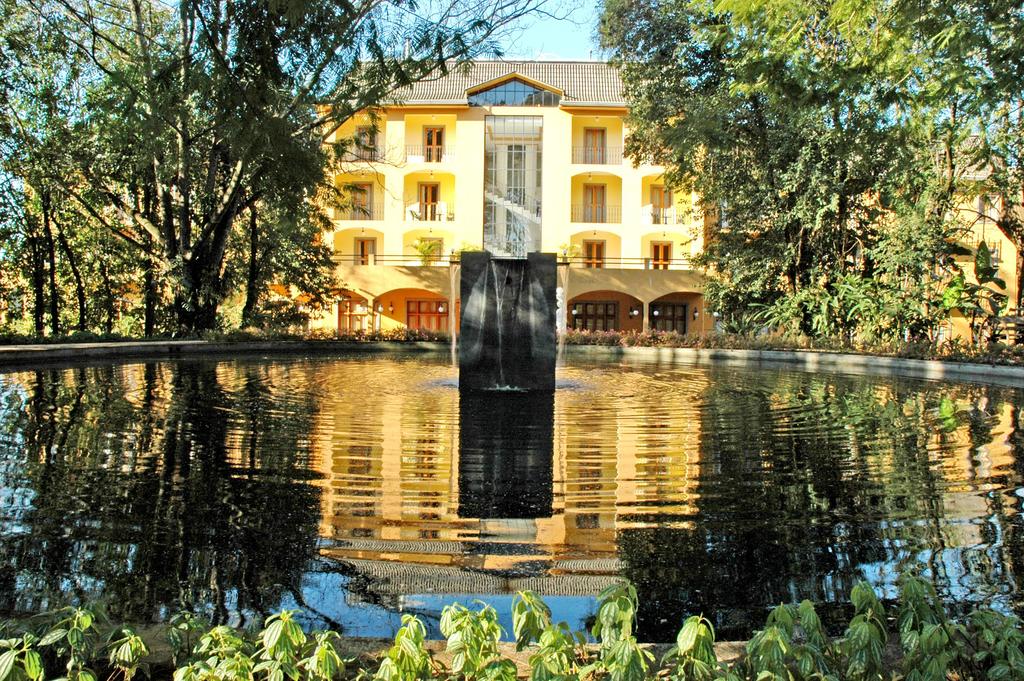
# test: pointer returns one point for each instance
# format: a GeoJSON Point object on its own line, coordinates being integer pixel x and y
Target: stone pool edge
{"type": "Point", "coordinates": [806, 360]}
{"type": "Point", "coordinates": [814, 360]}
{"type": "Point", "coordinates": [13, 355]}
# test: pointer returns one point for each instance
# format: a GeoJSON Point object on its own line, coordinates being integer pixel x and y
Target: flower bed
{"type": "Point", "coordinates": [954, 350]}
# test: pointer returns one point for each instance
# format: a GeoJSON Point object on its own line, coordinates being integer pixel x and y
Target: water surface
{"type": "Point", "coordinates": [360, 488]}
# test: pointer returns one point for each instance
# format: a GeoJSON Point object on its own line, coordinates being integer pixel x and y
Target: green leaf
{"type": "Point", "coordinates": [272, 634]}
{"type": "Point", "coordinates": [52, 637]}
{"type": "Point", "coordinates": [33, 665]}
{"type": "Point", "coordinates": [7, 663]}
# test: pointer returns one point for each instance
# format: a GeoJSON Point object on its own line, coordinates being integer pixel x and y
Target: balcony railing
{"type": "Point", "coordinates": [428, 154]}
{"type": "Point", "coordinates": [626, 263]}
{"type": "Point", "coordinates": [993, 248]}
{"type": "Point", "coordinates": [597, 214]}
{"type": "Point", "coordinates": [359, 153]}
{"type": "Point", "coordinates": [411, 260]}
{"type": "Point", "coordinates": [428, 212]}
{"type": "Point", "coordinates": [597, 155]}
{"type": "Point", "coordinates": [653, 215]}
{"type": "Point", "coordinates": [373, 211]}
{"type": "Point", "coordinates": [443, 260]}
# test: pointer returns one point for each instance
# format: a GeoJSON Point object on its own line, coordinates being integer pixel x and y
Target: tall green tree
{"type": "Point", "coordinates": [832, 148]}
{"type": "Point", "coordinates": [197, 113]}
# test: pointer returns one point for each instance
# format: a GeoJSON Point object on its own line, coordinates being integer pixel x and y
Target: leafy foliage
{"type": "Point", "coordinates": [793, 646]}
{"type": "Point", "coordinates": [193, 148]}
{"type": "Point", "coordinates": [408, 659]}
{"type": "Point", "coordinates": [843, 148]}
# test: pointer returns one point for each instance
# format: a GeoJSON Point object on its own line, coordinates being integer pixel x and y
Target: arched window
{"type": "Point", "coordinates": [514, 93]}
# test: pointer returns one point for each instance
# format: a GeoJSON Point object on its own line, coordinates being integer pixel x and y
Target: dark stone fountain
{"type": "Point", "coordinates": [507, 335]}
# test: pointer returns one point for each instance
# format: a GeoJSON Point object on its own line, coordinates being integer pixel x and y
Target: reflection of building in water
{"type": "Point", "coordinates": [505, 463]}
{"type": "Point", "coordinates": [520, 496]}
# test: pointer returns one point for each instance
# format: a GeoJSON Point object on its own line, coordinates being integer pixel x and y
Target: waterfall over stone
{"type": "Point", "coordinates": [507, 330]}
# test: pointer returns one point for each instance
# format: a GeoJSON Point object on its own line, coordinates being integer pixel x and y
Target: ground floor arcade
{"type": "Point", "coordinates": [426, 297]}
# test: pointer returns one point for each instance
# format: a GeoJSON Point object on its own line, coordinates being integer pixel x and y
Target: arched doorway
{"type": "Point", "coordinates": [418, 309]}
{"type": "Point", "coordinates": [605, 311]}
{"type": "Point", "coordinates": [678, 312]}
{"type": "Point", "coordinates": [353, 312]}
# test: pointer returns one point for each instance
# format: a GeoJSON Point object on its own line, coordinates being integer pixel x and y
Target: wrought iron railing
{"type": "Point", "coordinates": [441, 211]}
{"type": "Point", "coordinates": [358, 153]}
{"type": "Point", "coordinates": [446, 259]}
{"type": "Point", "coordinates": [626, 263]}
{"type": "Point", "coordinates": [597, 155]}
{"type": "Point", "coordinates": [410, 260]}
{"type": "Point", "coordinates": [374, 211]}
{"type": "Point", "coordinates": [415, 153]}
{"type": "Point", "coordinates": [665, 216]}
{"type": "Point", "coordinates": [596, 213]}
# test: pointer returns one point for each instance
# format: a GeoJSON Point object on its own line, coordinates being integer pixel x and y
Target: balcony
{"type": "Point", "coordinates": [428, 212]}
{"type": "Point", "coordinates": [577, 262]}
{"type": "Point", "coordinates": [367, 154]}
{"type": "Point", "coordinates": [596, 214]}
{"type": "Point", "coordinates": [374, 211]}
{"type": "Point", "coordinates": [597, 155]}
{"type": "Point", "coordinates": [583, 262]}
{"type": "Point", "coordinates": [428, 154]}
{"type": "Point", "coordinates": [655, 215]}
{"type": "Point", "coordinates": [413, 260]}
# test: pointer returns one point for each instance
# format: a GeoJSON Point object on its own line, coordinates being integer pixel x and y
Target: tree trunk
{"type": "Point", "coordinates": [76, 273]}
{"type": "Point", "coordinates": [1020, 279]}
{"type": "Point", "coordinates": [149, 318]}
{"type": "Point", "coordinates": [38, 284]}
{"type": "Point", "coordinates": [200, 288]}
{"type": "Point", "coordinates": [51, 261]}
{"type": "Point", "coordinates": [1019, 340]}
{"type": "Point", "coordinates": [252, 279]}
{"type": "Point", "coordinates": [108, 326]}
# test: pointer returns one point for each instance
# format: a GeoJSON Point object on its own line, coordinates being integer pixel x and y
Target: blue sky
{"type": "Point", "coordinates": [544, 38]}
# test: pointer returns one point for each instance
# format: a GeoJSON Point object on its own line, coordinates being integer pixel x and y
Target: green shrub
{"type": "Point", "coordinates": [954, 350]}
{"type": "Point", "coordinates": [473, 637]}
{"type": "Point", "coordinates": [793, 646]}
{"type": "Point", "coordinates": [408, 659]}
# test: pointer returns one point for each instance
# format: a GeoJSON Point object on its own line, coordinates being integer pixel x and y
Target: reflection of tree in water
{"type": "Point", "coordinates": [157, 487]}
{"type": "Point", "coordinates": [806, 485]}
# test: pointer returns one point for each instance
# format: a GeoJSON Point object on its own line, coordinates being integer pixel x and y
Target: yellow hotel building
{"type": "Point", "coordinates": [514, 157]}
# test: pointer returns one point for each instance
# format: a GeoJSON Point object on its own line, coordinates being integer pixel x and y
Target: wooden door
{"type": "Point", "coordinates": [661, 254]}
{"type": "Point", "coordinates": [366, 250]}
{"type": "Point", "coordinates": [362, 201]}
{"type": "Point", "coordinates": [661, 203]}
{"type": "Point", "coordinates": [366, 143]}
{"type": "Point", "coordinates": [430, 196]}
{"type": "Point", "coordinates": [593, 203]}
{"type": "Point", "coordinates": [433, 144]}
{"type": "Point", "coordinates": [593, 254]}
{"type": "Point", "coordinates": [593, 145]}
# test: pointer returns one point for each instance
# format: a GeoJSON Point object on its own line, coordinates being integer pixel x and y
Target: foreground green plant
{"type": "Point", "coordinates": [793, 646]}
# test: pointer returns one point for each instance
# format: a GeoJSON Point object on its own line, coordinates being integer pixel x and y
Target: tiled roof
{"type": "Point", "coordinates": [582, 83]}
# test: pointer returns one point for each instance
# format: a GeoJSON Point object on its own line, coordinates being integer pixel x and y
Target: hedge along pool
{"type": "Point", "coordinates": [359, 488]}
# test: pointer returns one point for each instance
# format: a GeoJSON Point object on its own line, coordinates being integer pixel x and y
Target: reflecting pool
{"type": "Point", "coordinates": [359, 488]}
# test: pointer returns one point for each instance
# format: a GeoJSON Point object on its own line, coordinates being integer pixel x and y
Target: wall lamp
{"type": "Point", "coordinates": [440, 308]}
{"type": "Point", "coordinates": [696, 313]}
{"type": "Point", "coordinates": [380, 308]}
{"type": "Point", "coordinates": [656, 312]}
{"type": "Point", "coordinates": [634, 311]}
{"type": "Point", "coordinates": [391, 307]}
